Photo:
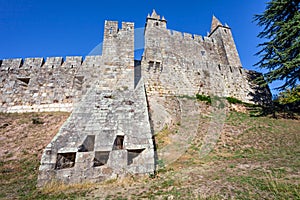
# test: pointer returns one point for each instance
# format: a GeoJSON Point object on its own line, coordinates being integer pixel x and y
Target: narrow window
{"type": "Point", "coordinates": [119, 143]}
{"type": "Point", "coordinates": [101, 158]}
{"type": "Point", "coordinates": [157, 66]}
{"type": "Point", "coordinates": [88, 144]}
{"type": "Point", "coordinates": [24, 80]}
{"type": "Point", "coordinates": [150, 65]}
{"type": "Point", "coordinates": [133, 154]}
{"type": "Point", "coordinates": [65, 160]}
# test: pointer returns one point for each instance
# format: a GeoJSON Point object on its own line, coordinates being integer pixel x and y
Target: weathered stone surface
{"type": "Point", "coordinates": [108, 133]}
{"type": "Point", "coordinates": [176, 63]}
{"type": "Point", "coordinates": [109, 122]}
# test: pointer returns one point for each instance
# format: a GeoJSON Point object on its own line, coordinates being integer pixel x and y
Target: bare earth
{"type": "Point", "coordinates": [254, 158]}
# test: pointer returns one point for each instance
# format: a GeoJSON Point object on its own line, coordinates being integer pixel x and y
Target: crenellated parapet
{"type": "Point", "coordinates": [218, 45]}
{"type": "Point", "coordinates": [168, 55]}
{"type": "Point", "coordinates": [30, 63]}
{"type": "Point", "coordinates": [179, 63]}
{"type": "Point", "coordinates": [108, 133]}
{"type": "Point", "coordinates": [161, 42]}
{"type": "Point", "coordinates": [36, 63]}
{"type": "Point", "coordinates": [36, 85]}
{"type": "Point", "coordinates": [73, 62]}
{"type": "Point", "coordinates": [54, 62]}
{"type": "Point", "coordinates": [118, 43]}
{"type": "Point", "coordinates": [11, 64]}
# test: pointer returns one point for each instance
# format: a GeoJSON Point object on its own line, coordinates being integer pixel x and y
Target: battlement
{"type": "Point", "coordinates": [189, 37]}
{"type": "Point", "coordinates": [54, 62]}
{"type": "Point", "coordinates": [164, 47]}
{"type": "Point", "coordinates": [218, 46]}
{"type": "Point", "coordinates": [109, 132]}
{"type": "Point", "coordinates": [33, 63]}
{"type": "Point", "coordinates": [51, 62]}
{"type": "Point", "coordinates": [111, 28]}
{"type": "Point", "coordinates": [118, 43]}
{"type": "Point", "coordinates": [73, 61]}
{"type": "Point", "coordinates": [11, 64]}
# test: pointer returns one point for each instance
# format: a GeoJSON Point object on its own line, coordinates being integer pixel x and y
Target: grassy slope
{"type": "Point", "coordinates": [255, 158]}
{"type": "Point", "coordinates": [22, 143]}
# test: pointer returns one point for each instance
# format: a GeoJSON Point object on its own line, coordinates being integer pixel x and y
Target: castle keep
{"type": "Point", "coordinates": [110, 130]}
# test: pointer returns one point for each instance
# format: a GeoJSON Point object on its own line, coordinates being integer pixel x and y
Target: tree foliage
{"type": "Point", "coordinates": [280, 53]}
{"type": "Point", "coordinates": [289, 96]}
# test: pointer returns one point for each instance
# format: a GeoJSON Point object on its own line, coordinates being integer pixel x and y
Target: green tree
{"type": "Point", "coordinates": [280, 53]}
{"type": "Point", "coordinates": [289, 96]}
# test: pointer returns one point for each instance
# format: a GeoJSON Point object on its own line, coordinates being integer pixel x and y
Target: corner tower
{"type": "Point", "coordinates": [118, 43]}
{"type": "Point", "coordinates": [226, 46]}
{"type": "Point", "coordinates": [155, 21]}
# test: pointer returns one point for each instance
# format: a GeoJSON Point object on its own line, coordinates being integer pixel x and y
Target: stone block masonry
{"type": "Point", "coordinates": [37, 86]}
{"type": "Point", "coordinates": [173, 63]}
{"type": "Point", "coordinates": [176, 63]}
{"type": "Point", "coordinates": [109, 133]}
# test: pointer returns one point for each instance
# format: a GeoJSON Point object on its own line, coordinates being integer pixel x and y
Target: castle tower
{"type": "Point", "coordinates": [118, 54]}
{"type": "Point", "coordinates": [226, 47]}
{"type": "Point", "coordinates": [155, 20]}
{"type": "Point", "coordinates": [118, 44]}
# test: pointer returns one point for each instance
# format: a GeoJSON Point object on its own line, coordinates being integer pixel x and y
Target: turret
{"type": "Point", "coordinates": [222, 35]}
{"type": "Point", "coordinates": [118, 43]}
{"type": "Point", "coordinates": [155, 20]}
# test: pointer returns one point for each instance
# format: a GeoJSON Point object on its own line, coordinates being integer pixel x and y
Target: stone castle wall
{"type": "Point", "coordinates": [176, 63]}
{"type": "Point", "coordinates": [32, 85]}
{"type": "Point", "coordinates": [109, 133]}
{"type": "Point", "coordinates": [173, 63]}
{"type": "Point", "coordinates": [197, 78]}
{"type": "Point", "coordinates": [159, 41]}
{"type": "Point", "coordinates": [35, 85]}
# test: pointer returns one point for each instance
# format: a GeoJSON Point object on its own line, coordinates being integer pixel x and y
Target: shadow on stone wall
{"type": "Point", "coordinates": [137, 72]}
{"type": "Point", "coordinates": [261, 94]}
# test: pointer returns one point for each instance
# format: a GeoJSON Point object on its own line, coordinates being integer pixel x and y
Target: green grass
{"type": "Point", "coordinates": [204, 98]}
{"type": "Point", "coordinates": [254, 158]}
{"type": "Point", "coordinates": [21, 182]}
{"type": "Point", "coordinates": [19, 169]}
{"type": "Point", "coordinates": [233, 100]}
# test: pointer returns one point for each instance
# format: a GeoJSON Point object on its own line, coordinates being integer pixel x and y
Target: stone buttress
{"type": "Point", "coordinates": [108, 133]}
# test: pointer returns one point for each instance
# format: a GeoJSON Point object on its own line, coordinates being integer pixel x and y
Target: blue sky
{"type": "Point", "coordinates": [41, 28]}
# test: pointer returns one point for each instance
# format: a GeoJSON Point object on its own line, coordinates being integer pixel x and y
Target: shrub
{"type": "Point", "coordinates": [203, 98]}
{"type": "Point", "coordinates": [233, 100]}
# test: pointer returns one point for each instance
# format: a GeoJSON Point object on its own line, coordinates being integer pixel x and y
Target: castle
{"type": "Point", "coordinates": [109, 131]}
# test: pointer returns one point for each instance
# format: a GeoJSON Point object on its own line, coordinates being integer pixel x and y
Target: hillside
{"type": "Point", "coordinates": [254, 158]}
